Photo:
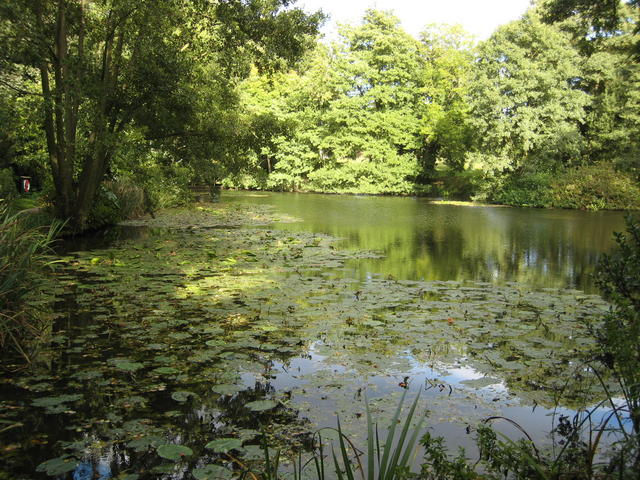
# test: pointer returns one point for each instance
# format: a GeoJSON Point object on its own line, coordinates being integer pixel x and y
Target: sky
{"type": "Point", "coordinates": [478, 17]}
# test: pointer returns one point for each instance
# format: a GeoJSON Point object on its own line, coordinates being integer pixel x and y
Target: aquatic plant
{"type": "Point", "coordinates": [22, 250]}
{"type": "Point", "coordinates": [390, 460]}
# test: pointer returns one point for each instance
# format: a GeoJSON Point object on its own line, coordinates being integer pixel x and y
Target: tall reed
{"type": "Point", "coordinates": [23, 250]}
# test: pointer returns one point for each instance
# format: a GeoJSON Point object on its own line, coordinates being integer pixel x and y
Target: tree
{"type": "Point", "coordinates": [526, 108]}
{"type": "Point", "coordinates": [447, 52]}
{"type": "Point", "coordinates": [106, 66]}
{"type": "Point", "coordinates": [603, 17]}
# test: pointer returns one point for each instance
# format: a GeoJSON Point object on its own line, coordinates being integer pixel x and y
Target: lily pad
{"type": "Point", "coordinates": [174, 452]}
{"type": "Point", "coordinates": [183, 395]}
{"type": "Point", "coordinates": [129, 366]}
{"type": "Point", "coordinates": [224, 445]}
{"type": "Point", "coordinates": [58, 466]}
{"type": "Point", "coordinates": [212, 472]}
{"type": "Point", "coordinates": [261, 405]}
{"type": "Point", "coordinates": [56, 404]}
{"type": "Point", "coordinates": [227, 389]}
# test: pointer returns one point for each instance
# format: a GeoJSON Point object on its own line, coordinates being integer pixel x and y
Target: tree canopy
{"type": "Point", "coordinates": [108, 67]}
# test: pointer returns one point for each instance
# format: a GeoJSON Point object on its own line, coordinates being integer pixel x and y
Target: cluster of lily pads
{"type": "Point", "coordinates": [174, 353]}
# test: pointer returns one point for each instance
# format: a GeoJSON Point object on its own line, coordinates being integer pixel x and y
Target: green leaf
{"type": "Point", "coordinates": [129, 366]}
{"type": "Point", "coordinates": [174, 452]}
{"type": "Point", "coordinates": [223, 445]}
{"type": "Point", "coordinates": [58, 466]}
{"type": "Point", "coordinates": [182, 395]}
{"type": "Point", "coordinates": [212, 472]}
{"type": "Point", "coordinates": [261, 405]}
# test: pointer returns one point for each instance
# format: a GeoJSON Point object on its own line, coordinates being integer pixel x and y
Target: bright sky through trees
{"type": "Point", "coordinates": [479, 18]}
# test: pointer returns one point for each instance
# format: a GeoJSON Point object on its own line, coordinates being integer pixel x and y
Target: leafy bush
{"type": "Point", "coordinates": [130, 197]}
{"type": "Point", "coordinates": [530, 189]}
{"type": "Point", "coordinates": [453, 184]}
{"type": "Point", "coordinates": [166, 185]}
{"type": "Point", "coordinates": [595, 187]}
{"type": "Point", "coordinates": [619, 336]}
{"type": "Point", "coordinates": [105, 210]}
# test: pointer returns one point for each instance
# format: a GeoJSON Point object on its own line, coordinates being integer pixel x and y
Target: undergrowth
{"type": "Point", "coordinates": [23, 249]}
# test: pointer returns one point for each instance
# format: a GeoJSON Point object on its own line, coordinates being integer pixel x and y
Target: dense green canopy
{"type": "Point", "coordinates": [169, 93]}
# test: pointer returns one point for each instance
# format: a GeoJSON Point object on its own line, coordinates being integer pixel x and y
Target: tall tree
{"type": "Point", "coordinates": [602, 16]}
{"type": "Point", "coordinates": [107, 65]}
{"type": "Point", "coordinates": [527, 108]}
{"type": "Point", "coordinates": [447, 53]}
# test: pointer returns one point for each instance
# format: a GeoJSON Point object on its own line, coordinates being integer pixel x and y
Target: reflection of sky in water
{"type": "Point", "coordinates": [85, 470]}
{"type": "Point", "coordinates": [321, 388]}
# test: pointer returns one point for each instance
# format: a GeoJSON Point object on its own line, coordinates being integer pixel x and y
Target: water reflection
{"type": "Point", "coordinates": [421, 240]}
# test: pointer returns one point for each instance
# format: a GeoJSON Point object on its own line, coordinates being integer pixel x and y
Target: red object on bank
{"type": "Point", "coordinates": [25, 184]}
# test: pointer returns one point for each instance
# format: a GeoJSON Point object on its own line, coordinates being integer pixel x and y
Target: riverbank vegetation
{"type": "Point", "coordinates": [24, 245]}
{"type": "Point", "coordinates": [94, 95]}
{"type": "Point", "coordinates": [540, 114]}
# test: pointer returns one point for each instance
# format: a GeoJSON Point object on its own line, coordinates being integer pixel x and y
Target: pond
{"type": "Point", "coordinates": [425, 240]}
{"type": "Point", "coordinates": [179, 341]}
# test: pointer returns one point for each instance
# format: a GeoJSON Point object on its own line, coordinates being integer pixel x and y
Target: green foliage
{"type": "Point", "coordinates": [438, 464]}
{"type": "Point", "coordinates": [595, 187]}
{"type": "Point", "coordinates": [22, 252]}
{"type": "Point", "coordinates": [130, 197]}
{"type": "Point", "coordinates": [619, 337]}
{"type": "Point", "coordinates": [525, 106]}
{"type": "Point", "coordinates": [8, 188]}
{"type": "Point", "coordinates": [368, 115]}
{"type": "Point", "coordinates": [453, 184]}
{"type": "Point", "coordinates": [529, 189]}
{"type": "Point", "coordinates": [158, 73]}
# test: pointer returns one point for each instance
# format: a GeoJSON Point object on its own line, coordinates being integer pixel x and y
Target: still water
{"type": "Point", "coordinates": [180, 335]}
{"type": "Point", "coordinates": [423, 240]}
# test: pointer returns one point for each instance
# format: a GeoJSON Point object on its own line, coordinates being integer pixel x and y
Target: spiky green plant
{"type": "Point", "coordinates": [22, 251]}
{"type": "Point", "coordinates": [388, 461]}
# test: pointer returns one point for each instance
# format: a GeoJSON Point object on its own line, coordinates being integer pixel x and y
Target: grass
{"type": "Point", "coordinates": [23, 250]}
{"type": "Point", "coordinates": [390, 460]}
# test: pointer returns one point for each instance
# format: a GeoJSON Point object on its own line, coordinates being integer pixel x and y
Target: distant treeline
{"type": "Point", "coordinates": [543, 113]}
{"type": "Point", "coordinates": [120, 105]}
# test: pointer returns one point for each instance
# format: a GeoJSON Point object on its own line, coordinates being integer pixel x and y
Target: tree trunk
{"type": "Point", "coordinates": [65, 164]}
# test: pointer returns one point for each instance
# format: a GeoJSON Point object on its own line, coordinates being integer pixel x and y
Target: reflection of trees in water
{"type": "Point", "coordinates": [545, 248]}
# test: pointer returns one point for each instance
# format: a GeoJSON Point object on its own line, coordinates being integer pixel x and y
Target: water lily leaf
{"type": "Point", "coordinates": [223, 445]}
{"type": "Point", "coordinates": [212, 472]}
{"type": "Point", "coordinates": [129, 366]}
{"type": "Point", "coordinates": [58, 466]}
{"type": "Point", "coordinates": [227, 389]}
{"type": "Point", "coordinates": [183, 395]}
{"type": "Point", "coordinates": [143, 444]}
{"type": "Point", "coordinates": [55, 404]}
{"type": "Point", "coordinates": [166, 370]}
{"type": "Point", "coordinates": [261, 405]}
{"type": "Point", "coordinates": [174, 452]}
